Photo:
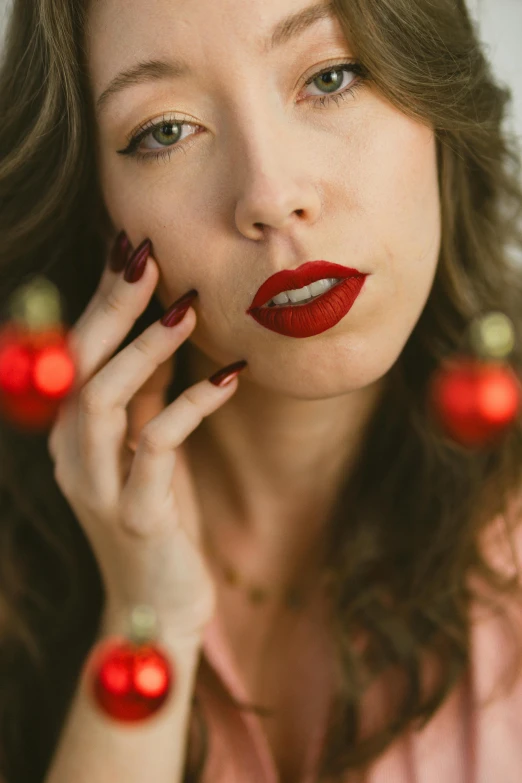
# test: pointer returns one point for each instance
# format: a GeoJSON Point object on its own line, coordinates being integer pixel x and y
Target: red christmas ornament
{"type": "Point", "coordinates": [475, 401]}
{"type": "Point", "coordinates": [36, 367]}
{"type": "Point", "coordinates": [37, 371]}
{"type": "Point", "coordinates": [132, 678]}
{"type": "Point", "coordinates": [131, 681]}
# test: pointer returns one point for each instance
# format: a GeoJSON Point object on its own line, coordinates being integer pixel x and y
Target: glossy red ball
{"type": "Point", "coordinates": [131, 682]}
{"type": "Point", "coordinates": [475, 401]}
{"type": "Point", "coordinates": [37, 371]}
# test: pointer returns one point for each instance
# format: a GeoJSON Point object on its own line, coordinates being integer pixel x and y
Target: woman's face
{"type": "Point", "coordinates": [268, 173]}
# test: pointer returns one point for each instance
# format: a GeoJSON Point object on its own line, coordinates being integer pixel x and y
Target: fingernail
{"type": "Point", "coordinates": [228, 373]}
{"type": "Point", "coordinates": [120, 252]}
{"type": "Point", "coordinates": [177, 310]}
{"type": "Point", "coordinates": [135, 266]}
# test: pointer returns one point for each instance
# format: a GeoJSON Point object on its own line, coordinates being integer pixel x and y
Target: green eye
{"type": "Point", "coordinates": [333, 84]}
{"type": "Point", "coordinates": [166, 131]}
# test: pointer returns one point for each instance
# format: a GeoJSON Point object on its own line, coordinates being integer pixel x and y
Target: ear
{"type": "Point", "coordinates": [149, 401]}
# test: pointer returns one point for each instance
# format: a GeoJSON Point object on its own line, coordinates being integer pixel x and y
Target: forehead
{"type": "Point", "coordinates": [119, 30]}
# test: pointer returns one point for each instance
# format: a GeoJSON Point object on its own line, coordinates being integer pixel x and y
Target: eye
{"type": "Point", "coordinates": [333, 85]}
{"type": "Point", "coordinates": [170, 129]}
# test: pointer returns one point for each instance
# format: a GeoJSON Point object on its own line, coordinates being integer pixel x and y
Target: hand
{"type": "Point", "coordinates": [120, 459]}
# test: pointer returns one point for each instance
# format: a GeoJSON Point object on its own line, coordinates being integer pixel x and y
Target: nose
{"type": "Point", "coordinates": [275, 184]}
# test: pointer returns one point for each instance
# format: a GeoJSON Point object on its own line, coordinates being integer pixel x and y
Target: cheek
{"type": "Point", "coordinates": [144, 208]}
{"type": "Point", "coordinates": [120, 199]}
{"type": "Point", "coordinates": [406, 205]}
{"type": "Point", "coordinates": [401, 197]}
{"type": "Point", "coordinates": [405, 183]}
{"type": "Point", "coordinates": [173, 224]}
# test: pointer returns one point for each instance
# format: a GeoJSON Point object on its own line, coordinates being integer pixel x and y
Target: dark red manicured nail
{"type": "Point", "coordinates": [224, 376]}
{"type": "Point", "coordinates": [120, 252]}
{"type": "Point", "coordinates": [137, 262]}
{"type": "Point", "coordinates": [177, 310]}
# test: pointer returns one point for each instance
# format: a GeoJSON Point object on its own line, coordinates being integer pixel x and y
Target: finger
{"type": "Point", "coordinates": [101, 330]}
{"type": "Point", "coordinates": [150, 482]}
{"type": "Point", "coordinates": [101, 414]}
{"type": "Point", "coordinates": [149, 401]}
{"type": "Point", "coordinates": [108, 276]}
{"type": "Point", "coordinates": [105, 284]}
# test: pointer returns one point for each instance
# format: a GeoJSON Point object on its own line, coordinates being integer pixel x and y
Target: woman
{"type": "Point", "coordinates": [315, 548]}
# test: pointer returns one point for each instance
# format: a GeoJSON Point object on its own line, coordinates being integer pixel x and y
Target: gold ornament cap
{"type": "Point", "coordinates": [143, 624]}
{"type": "Point", "coordinates": [492, 335]}
{"type": "Point", "coordinates": [36, 305]}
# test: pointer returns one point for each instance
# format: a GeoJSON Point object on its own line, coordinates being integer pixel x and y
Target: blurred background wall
{"type": "Point", "coordinates": [500, 23]}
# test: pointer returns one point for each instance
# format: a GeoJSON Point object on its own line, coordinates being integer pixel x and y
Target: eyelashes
{"type": "Point", "coordinates": [132, 151]}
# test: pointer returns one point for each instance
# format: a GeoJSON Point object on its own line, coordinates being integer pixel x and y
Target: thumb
{"type": "Point", "coordinates": [149, 401]}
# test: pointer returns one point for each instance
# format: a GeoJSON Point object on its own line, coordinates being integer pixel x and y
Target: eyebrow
{"type": "Point", "coordinates": [154, 70]}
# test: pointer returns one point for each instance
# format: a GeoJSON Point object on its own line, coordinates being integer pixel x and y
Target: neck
{"type": "Point", "coordinates": [268, 469]}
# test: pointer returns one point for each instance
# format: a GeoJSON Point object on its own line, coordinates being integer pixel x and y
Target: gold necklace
{"type": "Point", "coordinates": [294, 597]}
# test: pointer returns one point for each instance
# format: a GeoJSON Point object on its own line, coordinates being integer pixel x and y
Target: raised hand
{"type": "Point", "coordinates": [119, 454]}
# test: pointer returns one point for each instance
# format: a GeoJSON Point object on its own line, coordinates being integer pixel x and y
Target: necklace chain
{"type": "Point", "coordinates": [294, 597]}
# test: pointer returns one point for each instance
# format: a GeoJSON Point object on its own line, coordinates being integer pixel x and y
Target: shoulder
{"type": "Point", "coordinates": [501, 541]}
{"type": "Point", "coordinates": [496, 613]}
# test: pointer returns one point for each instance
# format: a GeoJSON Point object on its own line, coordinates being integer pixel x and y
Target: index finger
{"type": "Point", "coordinates": [116, 256]}
{"type": "Point", "coordinates": [114, 308]}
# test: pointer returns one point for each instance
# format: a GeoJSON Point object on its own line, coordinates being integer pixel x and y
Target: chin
{"type": "Point", "coordinates": [325, 378]}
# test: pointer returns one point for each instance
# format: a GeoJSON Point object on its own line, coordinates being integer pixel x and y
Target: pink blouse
{"type": "Point", "coordinates": [463, 743]}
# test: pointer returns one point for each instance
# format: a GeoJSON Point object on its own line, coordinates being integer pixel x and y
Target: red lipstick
{"type": "Point", "coordinates": [316, 316]}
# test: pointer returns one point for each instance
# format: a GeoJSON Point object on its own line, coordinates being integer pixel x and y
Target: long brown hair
{"type": "Point", "coordinates": [405, 534]}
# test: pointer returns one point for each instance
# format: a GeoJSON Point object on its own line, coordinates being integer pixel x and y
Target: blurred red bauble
{"type": "Point", "coordinates": [130, 681]}
{"type": "Point", "coordinates": [475, 401]}
{"type": "Point", "coordinates": [36, 372]}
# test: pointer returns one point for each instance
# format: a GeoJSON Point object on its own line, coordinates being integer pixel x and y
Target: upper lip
{"type": "Point", "coordinates": [307, 273]}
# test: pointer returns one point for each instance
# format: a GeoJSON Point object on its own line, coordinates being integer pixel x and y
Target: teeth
{"type": "Point", "coordinates": [296, 295]}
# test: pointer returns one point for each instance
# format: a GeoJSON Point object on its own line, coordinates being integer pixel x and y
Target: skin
{"type": "Point", "coordinates": [271, 181]}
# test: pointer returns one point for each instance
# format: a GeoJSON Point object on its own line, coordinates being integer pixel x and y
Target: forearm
{"type": "Point", "coordinates": [96, 749]}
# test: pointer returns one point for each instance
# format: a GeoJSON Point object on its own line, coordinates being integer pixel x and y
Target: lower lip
{"type": "Point", "coordinates": [313, 317]}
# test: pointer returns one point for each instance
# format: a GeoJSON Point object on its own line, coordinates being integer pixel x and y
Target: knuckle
{"type": "Point", "coordinates": [151, 440]}
{"type": "Point", "coordinates": [90, 399]}
{"type": "Point", "coordinates": [133, 528]}
{"type": "Point", "coordinates": [112, 303]}
{"type": "Point", "coordinates": [193, 404]}
{"type": "Point", "coordinates": [142, 344]}
{"type": "Point", "coordinates": [131, 514]}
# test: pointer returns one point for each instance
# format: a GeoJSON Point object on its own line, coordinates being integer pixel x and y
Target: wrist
{"type": "Point", "coordinates": [115, 621]}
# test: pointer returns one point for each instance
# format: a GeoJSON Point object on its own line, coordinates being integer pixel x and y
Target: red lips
{"type": "Point", "coordinates": [306, 274]}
